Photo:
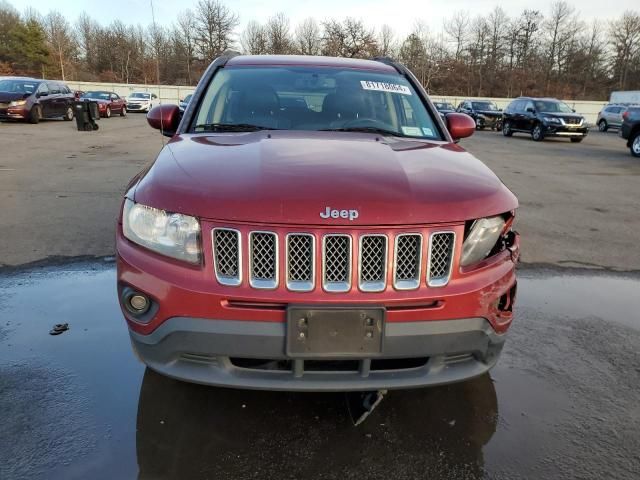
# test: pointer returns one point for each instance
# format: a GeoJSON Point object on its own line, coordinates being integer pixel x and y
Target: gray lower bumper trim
{"type": "Point", "coordinates": [198, 350]}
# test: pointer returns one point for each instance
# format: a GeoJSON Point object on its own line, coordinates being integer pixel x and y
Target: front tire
{"type": "Point", "coordinates": [602, 125]}
{"type": "Point", "coordinates": [634, 148]}
{"type": "Point", "coordinates": [123, 111]}
{"type": "Point", "coordinates": [68, 116]}
{"type": "Point", "coordinates": [537, 134]}
{"type": "Point", "coordinates": [107, 112]}
{"type": "Point", "coordinates": [35, 115]}
{"type": "Point", "coordinates": [506, 129]}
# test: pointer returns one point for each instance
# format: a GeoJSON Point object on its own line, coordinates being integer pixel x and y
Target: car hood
{"type": "Point", "coordinates": [97, 100]}
{"type": "Point", "coordinates": [140, 100]}
{"type": "Point", "coordinates": [6, 97]}
{"type": "Point", "coordinates": [291, 177]}
{"type": "Point", "coordinates": [490, 113]}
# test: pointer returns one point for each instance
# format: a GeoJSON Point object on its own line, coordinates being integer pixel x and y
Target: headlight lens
{"type": "Point", "coordinates": [171, 234]}
{"type": "Point", "coordinates": [551, 119]}
{"type": "Point", "coordinates": [17, 103]}
{"type": "Point", "coordinates": [482, 238]}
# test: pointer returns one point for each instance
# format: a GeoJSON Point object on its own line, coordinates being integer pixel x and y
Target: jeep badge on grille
{"type": "Point", "coordinates": [333, 213]}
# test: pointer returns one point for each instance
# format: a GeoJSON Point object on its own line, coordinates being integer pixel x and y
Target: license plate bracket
{"type": "Point", "coordinates": [335, 332]}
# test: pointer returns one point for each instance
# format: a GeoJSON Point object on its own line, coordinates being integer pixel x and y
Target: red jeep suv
{"type": "Point", "coordinates": [313, 225]}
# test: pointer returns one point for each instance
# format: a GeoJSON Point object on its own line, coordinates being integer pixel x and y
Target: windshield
{"type": "Point", "coordinates": [314, 98]}
{"type": "Point", "coordinates": [552, 106]}
{"type": "Point", "coordinates": [140, 95]}
{"type": "Point", "coordinates": [18, 86]}
{"type": "Point", "coordinates": [97, 95]}
{"type": "Point", "coordinates": [490, 106]}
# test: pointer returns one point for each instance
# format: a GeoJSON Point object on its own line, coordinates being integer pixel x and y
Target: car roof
{"type": "Point", "coordinates": [551, 99]}
{"type": "Point", "coordinates": [312, 61]}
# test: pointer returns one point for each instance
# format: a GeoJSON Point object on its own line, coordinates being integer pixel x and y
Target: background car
{"type": "Point", "coordinates": [184, 102]}
{"type": "Point", "coordinates": [108, 102]}
{"type": "Point", "coordinates": [484, 112]}
{"type": "Point", "coordinates": [543, 117]}
{"type": "Point", "coordinates": [141, 101]}
{"type": "Point", "coordinates": [31, 99]}
{"type": "Point", "coordinates": [630, 129]}
{"type": "Point", "coordinates": [443, 108]}
{"type": "Point", "coordinates": [610, 117]}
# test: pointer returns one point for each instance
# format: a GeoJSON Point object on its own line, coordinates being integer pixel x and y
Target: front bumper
{"type": "Point", "coordinates": [250, 355]}
{"type": "Point", "coordinates": [18, 113]}
{"type": "Point", "coordinates": [488, 122]}
{"type": "Point", "coordinates": [565, 131]}
{"type": "Point", "coordinates": [138, 107]}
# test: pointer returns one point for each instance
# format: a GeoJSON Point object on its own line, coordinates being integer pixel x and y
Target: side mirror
{"type": "Point", "coordinates": [531, 110]}
{"type": "Point", "coordinates": [41, 94]}
{"type": "Point", "coordinates": [165, 118]}
{"type": "Point", "coordinates": [460, 125]}
{"type": "Point", "coordinates": [573, 110]}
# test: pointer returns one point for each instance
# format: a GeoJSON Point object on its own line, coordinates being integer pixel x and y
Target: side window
{"type": "Point", "coordinates": [64, 89]}
{"type": "Point", "coordinates": [114, 97]}
{"type": "Point", "coordinates": [54, 88]}
{"type": "Point", "coordinates": [154, 96]}
{"type": "Point", "coordinates": [529, 105]}
{"type": "Point", "coordinates": [460, 105]}
{"type": "Point", "coordinates": [43, 89]}
{"type": "Point", "coordinates": [617, 110]}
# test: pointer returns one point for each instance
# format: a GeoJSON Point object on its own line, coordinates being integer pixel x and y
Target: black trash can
{"type": "Point", "coordinates": [86, 113]}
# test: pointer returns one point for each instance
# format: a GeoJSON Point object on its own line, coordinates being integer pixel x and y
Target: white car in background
{"type": "Point", "coordinates": [141, 101]}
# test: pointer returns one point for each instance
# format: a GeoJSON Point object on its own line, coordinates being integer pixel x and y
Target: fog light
{"type": "Point", "coordinates": [139, 302]}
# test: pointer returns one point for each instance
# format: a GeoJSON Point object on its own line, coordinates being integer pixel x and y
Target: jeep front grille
{"type": "Point", "coordinates": [336, 263]}
{"type": "Point", "coordinates": [411, 263]}
{"type": "Point", "coordinates": [263, 260]}
{"type": "Point", "coordinates": [373, 263]}
{"type": "Point", "coordinates": [301, 265]}
{"type": "Point", "coordinates": [407, 263]}
{"type": "Point", "coordinates": [227, 256]}
{"type": "Point", "coordinates": [440, 258]}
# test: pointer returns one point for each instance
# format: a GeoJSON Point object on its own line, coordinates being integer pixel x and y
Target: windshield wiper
{"type": "Point", "coordinates": [381, 131]}
{"type": "Point", "coordinates": [230, 127]}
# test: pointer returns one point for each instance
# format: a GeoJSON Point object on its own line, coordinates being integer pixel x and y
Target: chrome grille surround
{"type": "Point", "coordinates": [227, 256]}
{"type": "Point", "coordinates": [301, 262]}
{"type": "Point", "coordinates": [372, 262]}
{"type": "Point", "coordinates": [336, 262]}
{"type": "Point", "coordinates": [263, 259]}
{"type": "Point", "coordinates": [440, 258]}
{"type": "Point", "coordinates": [407, 261]}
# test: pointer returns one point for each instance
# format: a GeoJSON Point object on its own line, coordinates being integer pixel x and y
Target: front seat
{"type": "Point", "coordinates": [260, 105]}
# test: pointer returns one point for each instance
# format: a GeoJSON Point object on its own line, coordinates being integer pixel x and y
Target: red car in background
{"type": "Point", "coordinates": [108, 102]}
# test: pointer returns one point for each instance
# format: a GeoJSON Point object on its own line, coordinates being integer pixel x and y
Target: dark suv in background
{"type": "Point", "coordinates": [32, 99]}
{"type": "Point", "coordinates": [485, 113]}
{"type": "Point", "coordinates": [630, 129]}
{"type": "Point", "coordinates": [543, 117]}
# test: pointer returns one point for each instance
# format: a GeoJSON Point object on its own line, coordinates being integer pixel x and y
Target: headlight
{"type": "Point", "coordinates": [482, 237]}
{"type": "Point", "coordinates": [171, 234]}
{"type": "Point", "coordinates": [551, 119]}
{"type": "Point", "coordinates": [17, 103]}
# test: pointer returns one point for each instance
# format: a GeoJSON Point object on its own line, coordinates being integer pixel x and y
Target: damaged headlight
{"type": "Point", "coordinates": [483, 236]}
{"type": "Point", "coordinates": [171, 234]}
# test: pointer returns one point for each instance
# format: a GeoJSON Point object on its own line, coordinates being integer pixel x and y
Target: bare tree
{"type": "Point", "coordinates": [560, 30]}
{"type": "Point", "coordinates": [254, 40]}
{"type": "Point", "coordinates": [624, 37]}
{"type": "Point", "coordinates": [457, 28]}
{"type": "Point", "coordinates": [215, 24]}
{"type": "Point", "coordinates": [277, 31]}
{"type": "Point", "coordinates": [307, 37]}
{"type": "Point", "coordinates": [386, 41]}
{"type": "Point", "coordinates": [186, 26]}
{"type": "Point", "coordinates": [60, 37]}
{"type": "Point", "coordinates": [349, 38]}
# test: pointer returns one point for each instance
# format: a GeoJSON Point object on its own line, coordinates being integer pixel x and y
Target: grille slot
{"type": "Point", "coordinates": [336, 258]}
{"type": "Point", "coordinates": [373, 263]}
{"type": "Point", "coordinates": [226, 256]}
{"type": "Point", "coordinates": [408, 261]}
{"type": "Point", "coordinates": [301, 267]}
{"type": "Point", "coordinates": [263, 260]}
{"type": "Point", "coordinates": [440, 257]}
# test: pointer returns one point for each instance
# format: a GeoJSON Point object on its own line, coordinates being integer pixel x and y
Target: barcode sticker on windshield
{"type": "Point", "coordinates": [385, 87]}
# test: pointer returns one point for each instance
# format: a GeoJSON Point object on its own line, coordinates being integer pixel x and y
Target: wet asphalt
{"type": "Point", "coordinates": [563, 401]}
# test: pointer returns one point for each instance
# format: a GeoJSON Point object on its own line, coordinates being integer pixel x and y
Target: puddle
{"type": "Point", "coordinates": [562, 402]}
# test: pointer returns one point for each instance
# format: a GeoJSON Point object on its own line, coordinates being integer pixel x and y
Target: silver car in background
{"type": "Point", "coordinates": [610, 117]}
{"type": "Point", "coordinates": [141, 101]}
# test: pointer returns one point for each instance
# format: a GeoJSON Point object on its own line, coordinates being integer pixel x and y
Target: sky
{"type": "Point", "coordinates": [399, 14]}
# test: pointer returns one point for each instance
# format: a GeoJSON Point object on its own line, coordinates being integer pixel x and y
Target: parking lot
{"type": "Point", "coordinates": [562, 402]}
{"type": "Point", "coordinates": [61, 189]}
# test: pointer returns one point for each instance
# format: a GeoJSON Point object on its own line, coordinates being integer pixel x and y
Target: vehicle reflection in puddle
{"type": "Point", "coordinates": [79, 405]}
